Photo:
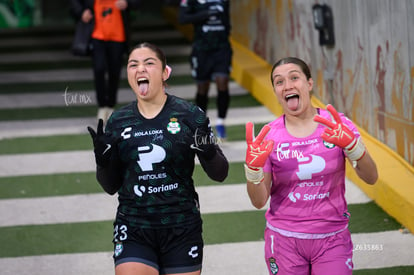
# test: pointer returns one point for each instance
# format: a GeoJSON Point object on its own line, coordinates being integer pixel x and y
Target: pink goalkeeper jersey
{"type": "Point", "coordinates": [308, 181]}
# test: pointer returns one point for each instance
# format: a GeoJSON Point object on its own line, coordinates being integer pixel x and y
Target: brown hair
{"type": "Point", "coordinates": [288, 60]}
{"type": "Point", "coordinates": [158, 52]}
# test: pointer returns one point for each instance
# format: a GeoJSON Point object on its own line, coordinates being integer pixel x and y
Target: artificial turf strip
{"type": "Point", "coordinates": [90, 110]}
{"type": "Point", "coordinates": [61, 143]}
{"type": "Point", "coordinates": [398, 270]}
{"type": "Point", "coordinates": [49, 185]}
{"type": "Point", "coordinates": [86, 183]}
{"type": "Point", "coordinates": [369, 217]}
{"type": "Point", "coordinates": [32, 240]}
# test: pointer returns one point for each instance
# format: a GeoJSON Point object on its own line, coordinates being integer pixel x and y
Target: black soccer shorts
{"type": "Point", "coordinates": [169, 250]}
{"type": "Point", "coordinates": [205, 65]}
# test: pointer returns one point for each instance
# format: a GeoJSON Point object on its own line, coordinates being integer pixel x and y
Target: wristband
{"type": "Point", "coordinates": [254, 175]}
{"type": "Point", "coordinates": [356, 151]}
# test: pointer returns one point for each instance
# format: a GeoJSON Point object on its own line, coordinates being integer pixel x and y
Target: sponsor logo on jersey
{"type": "Point", "coordinates": [310, 184]}
{"type": "Point", "coordinates": [305, 142]}
{"type": "Point", "coordinates": [307, 197]}
{"type": "Point", "coordinates": [147, 133]}
{"type": "Point", "coordinates": [319, 196]}
{"type": "Point", "coordinates": [152, 176]}
{"type": "Point", "coordinates": [293, 196]}
{"type": "Point", "coordinates": [309, 166]}
{"type": "Point", "coordinates": [140, 190]}
{"type": "Point", "coordinates": [149, 155]}
{"type": "Point", "coordinates": [127, 133]}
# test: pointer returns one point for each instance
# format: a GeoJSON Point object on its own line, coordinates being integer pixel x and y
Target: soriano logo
{"type": "Point", "coordinates": [294, 196]}
{"type": "Point", "coordinates": [139, 190]}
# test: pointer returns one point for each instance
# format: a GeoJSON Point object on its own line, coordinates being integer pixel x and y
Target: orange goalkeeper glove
{"type": "Point", "coordinates": [258, 150]}
{"type": "Point", "coordinates": [339, 134]}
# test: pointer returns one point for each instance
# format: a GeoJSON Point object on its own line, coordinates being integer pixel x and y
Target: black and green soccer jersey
{"type": "Point", "coordinates": [211, 22]}
{"type": "Point", "coordinates": [157, 164]}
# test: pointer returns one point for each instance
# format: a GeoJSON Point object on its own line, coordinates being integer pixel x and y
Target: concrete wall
{"type": "Point", "coordinates": [368, 74]}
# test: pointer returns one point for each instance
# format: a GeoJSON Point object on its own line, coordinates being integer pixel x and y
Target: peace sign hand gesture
{"type": "Point", "coordinates": [258, 150]}
{"type": "Point", "coordinates": [339, 134]}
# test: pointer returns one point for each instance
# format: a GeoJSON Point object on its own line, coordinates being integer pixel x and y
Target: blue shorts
{"type": "Point", "coordinates": [169, 250]}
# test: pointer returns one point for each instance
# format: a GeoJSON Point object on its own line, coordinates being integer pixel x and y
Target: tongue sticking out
{"type": "Point", "coordinates": [143, 87]}
{"type": "Point", "coordinates": [293, 103]}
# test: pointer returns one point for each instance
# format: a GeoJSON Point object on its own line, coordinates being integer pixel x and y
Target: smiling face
{"type": "Point", "coordinates": [146, 73]}
{"type": "Point", "coordinates": [292, 88]}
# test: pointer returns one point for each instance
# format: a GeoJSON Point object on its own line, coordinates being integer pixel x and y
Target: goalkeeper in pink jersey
{"type": "Point", "coordinates": [298, 161]}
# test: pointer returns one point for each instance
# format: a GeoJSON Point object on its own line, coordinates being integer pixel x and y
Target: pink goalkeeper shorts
{"type": "Point", "coordinates": [291, 256]}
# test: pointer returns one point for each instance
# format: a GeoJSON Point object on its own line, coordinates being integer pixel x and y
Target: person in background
{"type": "Point", "coordinates": [211, 54]}
{"type": "Point", "coordinates": [110, 39]}
{"type": "Point", "coordinates": [147, 155]}
{"type": "Point", "coordinates": [298, 162]}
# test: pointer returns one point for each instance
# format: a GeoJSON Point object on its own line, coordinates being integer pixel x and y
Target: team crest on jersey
{"type": "Point", "coordinates": [173, 126]}
{"type": "Point", "coordinates": [328, 145]}
{"type": "Point", "coordinates": [118, 249]}
{"type": "Point", "coordinates": [273, 266]}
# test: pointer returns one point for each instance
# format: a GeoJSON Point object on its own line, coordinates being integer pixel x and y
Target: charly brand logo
{"type": "Point", "coordinates": [193, 252]}
{"type": "Point", "coordinates": [76, 98]}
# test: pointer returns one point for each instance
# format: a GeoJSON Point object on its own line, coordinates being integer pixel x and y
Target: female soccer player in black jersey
{"type": "Point", "coordinates": [147, 155]}
{"type": "Point", "coordinates": [211, 53]}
